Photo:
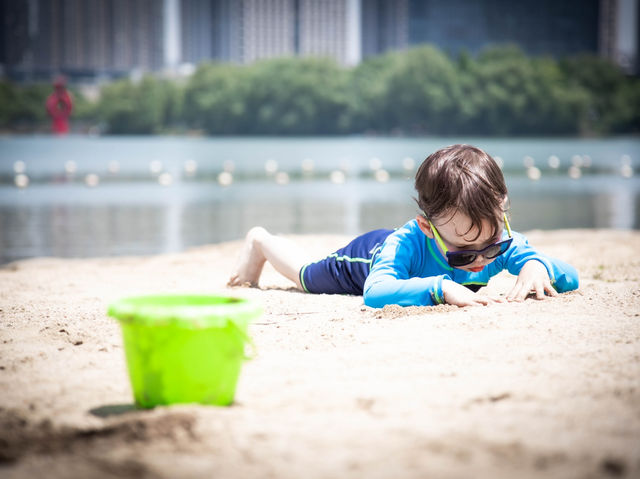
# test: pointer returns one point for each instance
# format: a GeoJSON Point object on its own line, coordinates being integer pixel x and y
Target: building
{"type": "Point", "coordinates": [539, 27]}
{"type": "Point", "coordinates": [244, 31]}
{"type": "Point", "coordinates": [109, 38]}
{"type": "Point", "coordinates": [80, 38]}
{"type": "Point", "coordinates": [330, 29]}
{"type": "Point", "coordinates": [385, 26]}
{"type": "Point", "coordinates": [267, 30]}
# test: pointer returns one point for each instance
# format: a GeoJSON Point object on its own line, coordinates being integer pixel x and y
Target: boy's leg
{"type": "Point", "coordinates": [261, 246]}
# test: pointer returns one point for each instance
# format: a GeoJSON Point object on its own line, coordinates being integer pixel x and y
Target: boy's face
{"type": "Point", "coordinates": [457, 236]}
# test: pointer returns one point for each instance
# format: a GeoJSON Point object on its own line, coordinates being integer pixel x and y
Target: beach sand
{"type": "Point", "coordinates": [534, 389]}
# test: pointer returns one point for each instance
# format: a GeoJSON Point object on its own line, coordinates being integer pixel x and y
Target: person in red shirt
{"type": "Point", "coordinates": [59, 106]}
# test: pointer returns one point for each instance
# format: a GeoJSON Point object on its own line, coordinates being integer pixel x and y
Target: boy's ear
{"type": "Point", "coordinates": [424, 226]}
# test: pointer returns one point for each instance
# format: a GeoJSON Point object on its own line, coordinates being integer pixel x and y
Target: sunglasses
{"type": "Point", "coordinates": [468, 256]}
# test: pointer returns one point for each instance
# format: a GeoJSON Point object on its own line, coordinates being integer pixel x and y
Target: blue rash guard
{"type": "Point", "coordinates": [409, 269]}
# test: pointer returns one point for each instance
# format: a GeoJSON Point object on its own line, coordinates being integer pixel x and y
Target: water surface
{"type": "Point", "coordinates": [135, 210]}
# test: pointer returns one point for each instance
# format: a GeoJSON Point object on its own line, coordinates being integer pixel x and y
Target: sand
{"type": "Point", "coordinates": [535, 389]}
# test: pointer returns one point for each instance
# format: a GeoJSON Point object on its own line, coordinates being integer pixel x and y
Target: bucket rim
{"type": "Point", "coordinates": [190, 311]}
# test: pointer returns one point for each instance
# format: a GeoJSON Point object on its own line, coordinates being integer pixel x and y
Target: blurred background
{"type": "Point", "coordinates": [150, 126]}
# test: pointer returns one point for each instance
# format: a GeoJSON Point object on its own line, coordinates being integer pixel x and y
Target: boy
{"type": "Point", "coordinates": [445, 255]}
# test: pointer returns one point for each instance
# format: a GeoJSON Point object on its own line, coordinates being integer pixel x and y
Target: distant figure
{"type": "Point", "coordinates": [59, 107]}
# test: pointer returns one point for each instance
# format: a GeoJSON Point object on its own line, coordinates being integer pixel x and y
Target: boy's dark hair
{"type": "Point", "coordinates": [462, 178]}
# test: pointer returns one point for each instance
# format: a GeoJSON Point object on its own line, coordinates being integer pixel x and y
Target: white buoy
{"type": "Point", "coordinates": [574, 172]}
{"type": "Point", "coordinates": [528, 161]}
{"type": "Point", "coordinates": [229, 166]}
{"type": "Point", "coordinates": [625, 160]}
{"type": "Point", "coordinates": [70, 167]}
{"type": "Point", "coordinates": [554, 162]}
{"type": "Point", "coordinates": [190, 167]}
{"type": "Point", "coordinates": [271, 166]}
{"type": "Point", "coordinates": [534, 173]}
{"type": "Point", "coordinates": [307, 166]}
{"type": "Point", "coordinates": [382, 176]}
{"type": "Point", "coordinates": [225, 178]}
{"type": "Point", "coordinates": [408, 163]}
{"type": "Point", "coordinates": [113, 167]}
{"type": "Point", "coordinates": [19, 167]}
{"type": "Point", "coordinates": [626, 171]}
{"type": "Point", "coordinates": [92, 180]}
{"type": "Point", "coordinates": [282, 177]}
{"type": "Point", "coordinates": [499, 161]}
{"type": "Point", "coordinates": [165, 179]}
{"type": "Point", "coordinates": [337, 177]}
{"type": "Point", "coordinates": [577, 161]}
{"type": "Point", "coordinates": [375, 163]}
{"type": "Point", "coordinates": [155, 167]}
{"type": "Point", "coordinates": [21, 180]}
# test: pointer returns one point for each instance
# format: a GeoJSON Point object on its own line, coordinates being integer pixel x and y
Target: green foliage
{"type": "Point", "coordinates": [284, 96]}
{"type": "Point", "coordinates": [423, 92]}
{"type": "Point", "coordinates": [83, 109]}
{"type": "Point", "coordinates": [419, 91]}
{"type": "Point", "coordinates": [300, 97]}
{"type": "Point", "coordinates": [7, 104]}
{"type": "Point", "coordinates": [23, 107]}
{"type": "Point", "coordinates": [510, 94]}
{"type": "Point", "coordinates": [626, 103]}
{"type": "Point", "coordinates": [612, 97]}
{"type": "Point", "coordinates": [368, 93]}
{"type": "Point", "coordinates": [134, 108]}
{"type": "Point", "coordinates": [215, 98]}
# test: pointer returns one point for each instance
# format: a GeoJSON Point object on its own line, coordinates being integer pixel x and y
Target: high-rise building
{"type": "Point", "coordinates": [14, 33]}
{"type": "Point", "coordinates": [323, 29]}
{"type": "Point", "coordinates": [625, 34]}
{"type": "Point", "coordinates": [137, 35]}
{"type": "Point", "coordinates": [607, 28]}
{"type": "Point", "coordinates": [39, 38]}
{"type": "Point", "coordinates": [385, 26]}
{"type": "Point", "coordinates": [539, 27]}
{"type": "Point", "coordinates": [267, 29]}
{"type": "Point", "coordinates": [227, 30]}
{"type": "Point", "coordinates": [80, 38]}
{"type": "Point", "coordinates": [197, 30]}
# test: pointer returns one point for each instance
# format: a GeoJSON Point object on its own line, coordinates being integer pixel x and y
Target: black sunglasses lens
{"type": "Point", "coordinates": [461, 259]}
{"type": "Point", "coordinates": [497, 249]}
{"type": "Point", "coordinates": [493, 251]}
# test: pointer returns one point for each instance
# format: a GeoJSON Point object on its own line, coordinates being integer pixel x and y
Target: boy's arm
{"type": "Point", "coordinates": [398, 276]}
{"type": "Point", "coordinates": [562, 276]}
{"type": "Point", "coordinates": [385, 285]}
{"type": "Point", "coordinates": [390, 281]}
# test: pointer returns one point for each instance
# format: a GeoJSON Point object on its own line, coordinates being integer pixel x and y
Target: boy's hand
{"type": "Point", "coordinates": [533, 278]}
{"type": "Point", "coordinates": [459, 295]}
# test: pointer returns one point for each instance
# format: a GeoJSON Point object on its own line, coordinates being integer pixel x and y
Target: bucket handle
{"type": "Point", "coordinates": [246, 339]}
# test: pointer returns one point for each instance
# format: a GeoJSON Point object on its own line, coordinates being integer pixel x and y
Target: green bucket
{"type": "Point", "coordinates": [184, 349]}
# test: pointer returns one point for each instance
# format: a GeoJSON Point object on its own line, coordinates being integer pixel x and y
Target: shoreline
{"type": "Point", "coordinates": [534, 389]}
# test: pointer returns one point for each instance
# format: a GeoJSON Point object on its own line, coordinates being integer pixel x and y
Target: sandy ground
{"type": "Point", "coordinates": [536, 389]}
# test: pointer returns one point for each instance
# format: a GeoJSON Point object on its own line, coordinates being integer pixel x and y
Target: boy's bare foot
{"type": "Point", "coordinates": [251, 260]}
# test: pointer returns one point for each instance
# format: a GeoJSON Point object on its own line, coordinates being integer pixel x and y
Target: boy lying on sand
{"type": "Point", "coordinates": [444, 255]}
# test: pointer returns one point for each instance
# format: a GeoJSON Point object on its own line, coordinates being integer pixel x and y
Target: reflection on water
{"type": "Point", "coordinates": [44, 223]}
{"type": "Point", "coordinates": [131, 213]}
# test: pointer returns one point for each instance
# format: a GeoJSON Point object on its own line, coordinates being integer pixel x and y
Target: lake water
{"type": "Point", "coordinates": [101, 196]}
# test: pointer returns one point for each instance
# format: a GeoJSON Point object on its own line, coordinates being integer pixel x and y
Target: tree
{"type": "Point", "coordinates": [298, 96]}
{"type": "Point", "coordinates": [368, 90]}
{"type": "Point", "coordinates": [423, 92]}
{"type": "Point", "coordinates": [215, 98]}
{"type": "Point", "coordinates": [608, 90]}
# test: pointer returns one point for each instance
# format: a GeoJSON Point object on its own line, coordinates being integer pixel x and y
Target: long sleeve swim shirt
{"type": "Point", "coordinates": [409, 269]}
